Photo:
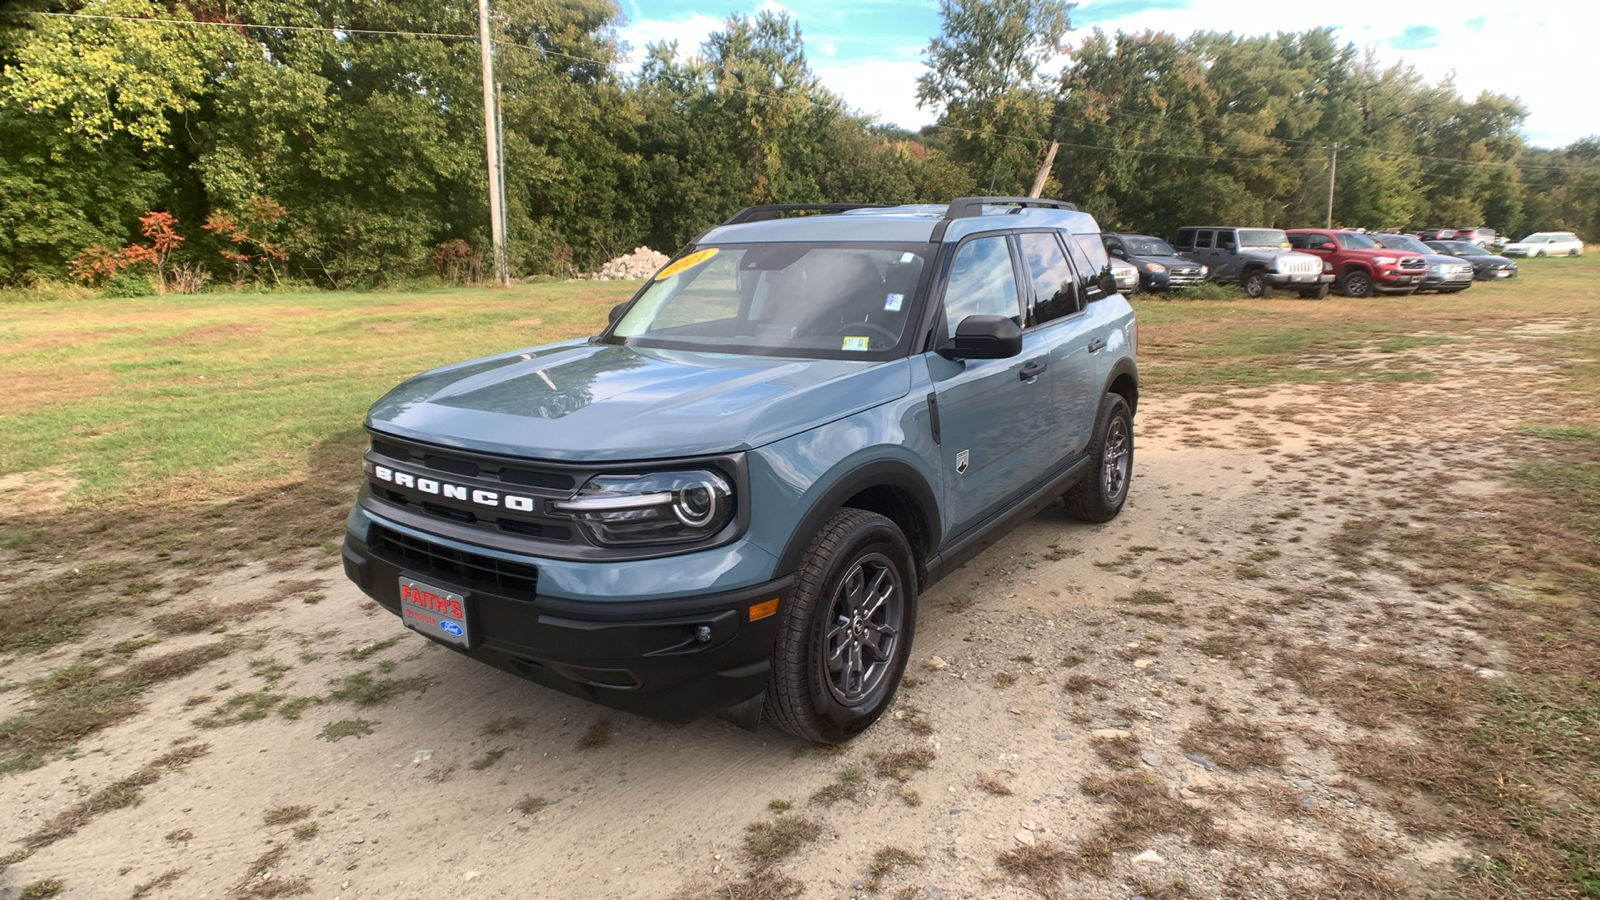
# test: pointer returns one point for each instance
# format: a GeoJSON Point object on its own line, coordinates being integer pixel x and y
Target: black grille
{"type": "Point", "coordinates": [1413, 262]}
{"type": "Point", "coordinates": [480, 467]}
{"type": "Point", "coordinates": [455, 567]}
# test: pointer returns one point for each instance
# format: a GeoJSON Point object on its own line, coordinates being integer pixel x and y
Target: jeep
{"type": "Point", "coordinates": [731, 498]}
{"type": "Point", "coordinates": [1258, 259]}
{"type": "Point", "coordinates": [1362, 266]}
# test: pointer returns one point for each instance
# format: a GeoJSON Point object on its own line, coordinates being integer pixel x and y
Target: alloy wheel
{"type": "Point", "coordinates": [862, 630]}
{"type": "Point", "coordinates": [1115, 464]}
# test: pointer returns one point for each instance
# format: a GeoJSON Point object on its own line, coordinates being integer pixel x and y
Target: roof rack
{"type": "Point", "coordinates": [772, 210]}
{"type": "Point", "coordinates": [967, 207]}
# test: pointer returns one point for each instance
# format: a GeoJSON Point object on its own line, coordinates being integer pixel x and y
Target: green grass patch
{"type": "Point", "coordinates": [212, 393]}
{"type": "Point", "coordinates": [366, 689]}
{"type": "Point", "coordinates": [1560, 432]}
{"type": "Point", "coordinates": [14, 537]}
{"type": "Point", "coordinates": [333, 732]}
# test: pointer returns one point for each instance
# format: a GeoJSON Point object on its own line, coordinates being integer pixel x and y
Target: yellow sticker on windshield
{"type": "Point", "coordinates": [688, 262]}
{"type": "Point", "coordinates": [856, 343]}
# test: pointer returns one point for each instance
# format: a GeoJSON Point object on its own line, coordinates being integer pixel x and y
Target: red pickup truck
{"type": "Point", "coordinates": [1361, 265]}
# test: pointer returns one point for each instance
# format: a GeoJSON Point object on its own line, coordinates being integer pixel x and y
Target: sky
{"type": "Point", "coordinates": [870, 52]}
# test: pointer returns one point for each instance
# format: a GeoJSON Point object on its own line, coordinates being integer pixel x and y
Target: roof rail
{"type": "Point", "coordinates": [772, 210]}
{"type": "Point", "coordinates": [967, 207]}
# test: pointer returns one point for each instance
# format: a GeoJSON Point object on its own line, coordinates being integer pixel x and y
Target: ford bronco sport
{"type": "Point", "coordinates": [1257, 259]}
{"type": "Point", "coordinates": [731, 498]}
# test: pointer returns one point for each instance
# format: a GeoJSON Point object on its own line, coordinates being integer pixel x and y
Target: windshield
{"type": "Point", "coordinates": [1356, 242]}
{"type": "Point", "coordinates": [1143, 246]}
{"type": "Point", "coordinates": [1536, 239]}
{"type": "Point", "coordinates": [1263, 237]}
{"type": "Point", "coordinates": [811, 300]}
{"type": "Point", "coordinates": [1403, 242]}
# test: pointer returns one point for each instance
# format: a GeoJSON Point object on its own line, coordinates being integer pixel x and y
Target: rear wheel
{"type": "Point", "coordinates": [1102, 492]}
{"type": "Point", "coordinates": [1256, 285]}
{"type": "Point", "coordinates": [1355, 283]}
{"type": "Point", "coordinates": [845, 634]}
{"type": "Point", "coordinates": [1316, 293]}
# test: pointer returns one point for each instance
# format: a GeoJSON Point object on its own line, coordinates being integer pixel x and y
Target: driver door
{"type": "Point", "coordinates": [995, 415]}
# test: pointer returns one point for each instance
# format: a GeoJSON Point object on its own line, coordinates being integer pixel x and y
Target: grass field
{"type": "Point", "coordinates": [217, 395]}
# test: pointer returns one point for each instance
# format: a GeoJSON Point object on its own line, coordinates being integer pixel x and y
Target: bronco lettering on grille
{"type": "Point", "coordinates": [453, 491]}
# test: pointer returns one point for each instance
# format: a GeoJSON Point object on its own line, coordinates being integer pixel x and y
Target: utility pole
{"type": "Point", "coordinates": [491, 130]}
{"type": "Point", "coordinates": [1044, 170]}
{"type": "Point", "coordinates": [1333, 166]}
{"type": "Point", "coordinates": [500, 168]}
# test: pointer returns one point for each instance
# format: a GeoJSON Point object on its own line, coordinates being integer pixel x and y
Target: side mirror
{"type": "Point", "coordinates": [1119, 253]}
{"type": "Point", "coordinates": [985, 337]}
{"type": "Point", "coordinates": [617, 311]}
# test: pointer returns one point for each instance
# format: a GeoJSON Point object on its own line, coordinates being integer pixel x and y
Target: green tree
{"type": "Point", "coordinates": [984, 76]}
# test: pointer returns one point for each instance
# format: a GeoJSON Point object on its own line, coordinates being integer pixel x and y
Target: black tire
{"type": "Point", "coordinates": [1356, 283]}
{"type": "Point", "coordinates": [1574, 253]}
{"type": "Point", "coordinates": [1255, 285]}
{"type": "Point", "coordinates": [857, 556]}
{"type": "Point", "coordinates": [1102, 492]}
{"type": "Point", "coordinates": [1317, 293]}
{"type": "Point", "coordinates": [1539, 255]}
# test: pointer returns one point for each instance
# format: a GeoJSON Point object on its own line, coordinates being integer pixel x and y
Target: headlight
{"type": "Point", "coordinates": [1384, 260]}
{"type": "Point", "coordinates": [1204, 271]}
{"type": "Point", "coordinates": [1436, 270]}
{"type": "Point", "coordinates": [660, 508]}
{"type": "Point", "coordinates": [1156, 268]}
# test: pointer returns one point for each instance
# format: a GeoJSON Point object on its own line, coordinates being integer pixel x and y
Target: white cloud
{"type": "Point", "coordinates": [1528, 54]}
{"type": "Point", "coordinates": [690, 32]}
{"type": "Point", "coordinates": [883, 88]}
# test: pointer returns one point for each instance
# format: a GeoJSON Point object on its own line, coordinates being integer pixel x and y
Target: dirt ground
{"type": "Point", "coordinates": [1140, 708]}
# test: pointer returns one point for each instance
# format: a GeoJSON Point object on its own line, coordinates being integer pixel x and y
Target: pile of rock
{"type": "Point", "coordinates": [641, 263]}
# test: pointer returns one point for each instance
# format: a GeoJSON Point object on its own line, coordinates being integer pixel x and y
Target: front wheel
{"type": "Point", "coordinates": [1356, 284]}
{"type": "Point", "coordinates": [1316, 293]}
{"type": "Point", "coordinates": [1102, 492]}
{"type": "Point", "coordinates": [1256, 285]}
{"type": "Point", "coordinates": [845, 634]}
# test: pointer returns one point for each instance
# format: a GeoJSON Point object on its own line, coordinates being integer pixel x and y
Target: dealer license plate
{"type": "Point", "coordinates": [434, 611]}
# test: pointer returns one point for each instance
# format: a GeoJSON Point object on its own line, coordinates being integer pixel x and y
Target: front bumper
{"type": "Point", "coordinates": [1441, 283]}
{"type": "Point", "coordinates": [1282, 280]}
{"type": "Point", "coordinates": [1495, 274]}
{"type": "Point", "coordinates": [675, 660]}
{"type": "Point", "coordinates": [1396, 284]}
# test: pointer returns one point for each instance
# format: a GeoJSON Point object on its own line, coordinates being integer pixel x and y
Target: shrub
{"type": "Point", "coordinates": [127, 285]}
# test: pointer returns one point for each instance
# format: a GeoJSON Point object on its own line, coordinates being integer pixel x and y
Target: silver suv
{"type": "Point", "coordinates": [1258, 259]}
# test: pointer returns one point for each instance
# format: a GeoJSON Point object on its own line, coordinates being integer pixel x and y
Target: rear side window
{"type": "Point", "coordinates": [1184, 239]}
{"type": "Point", "coordinates": [982, 283]}
{"type": "Point", "coordinates": [1094, 266]}
{"type": "Point", "coordinates": [1055, 286]}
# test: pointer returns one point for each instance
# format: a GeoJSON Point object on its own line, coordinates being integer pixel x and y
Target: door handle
{"type": "Point", "coordinates": [1097, 344]}
{"type": "Point", "coordinates": [1031, 370]}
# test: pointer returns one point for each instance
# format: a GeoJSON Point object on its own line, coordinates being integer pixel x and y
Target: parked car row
{"type": "Point", "coordinates": [1310, 261]}
{"type": "Point", "coordinates": [1546, 243]}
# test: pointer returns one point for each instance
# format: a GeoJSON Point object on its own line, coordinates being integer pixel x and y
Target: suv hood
{"type": "Point", "coordinates": [578, 401]}
{"type": "Point", "coordinates": [1168, 261]}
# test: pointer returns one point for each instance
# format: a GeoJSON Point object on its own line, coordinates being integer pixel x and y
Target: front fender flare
{"type": "Point", "coordinates": [851, 479]}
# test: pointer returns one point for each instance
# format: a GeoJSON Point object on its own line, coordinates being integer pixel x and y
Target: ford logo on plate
{"type": "Point", "coordinates": [450, 628]}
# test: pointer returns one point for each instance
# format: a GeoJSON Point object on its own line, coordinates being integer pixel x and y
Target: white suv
{"type": "Point", "coordinates": [1546, 243]}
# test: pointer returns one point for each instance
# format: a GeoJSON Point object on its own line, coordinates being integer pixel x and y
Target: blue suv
{"type": "Point", "coordinates": [730, 499]}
